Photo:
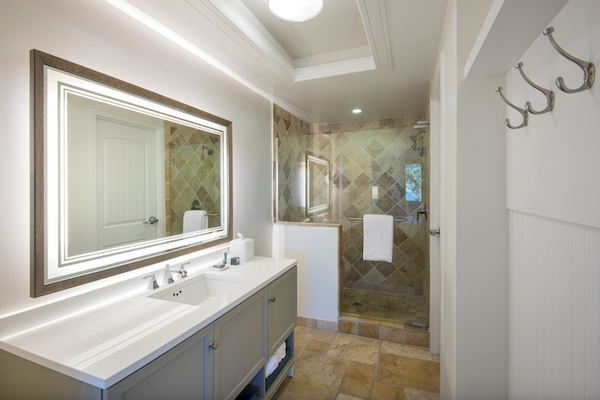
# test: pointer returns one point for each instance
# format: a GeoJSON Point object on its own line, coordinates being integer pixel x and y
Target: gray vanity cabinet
{"type": "Point", "coordinates": [182, 373]}
{"type": "Point", "coordinates": [282, 309]}
{"type": "Point", "coordinates": [215, 363]}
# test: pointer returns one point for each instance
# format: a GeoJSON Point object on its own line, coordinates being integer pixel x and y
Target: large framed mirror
{"type": "Point", "coordinates": [123, 177]}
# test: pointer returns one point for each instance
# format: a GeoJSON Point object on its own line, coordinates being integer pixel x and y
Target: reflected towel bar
{"type": "Point", "coordinates": [397, 220]}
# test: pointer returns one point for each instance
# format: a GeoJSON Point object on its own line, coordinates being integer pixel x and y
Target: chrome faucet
{"type": "Point", "coordinates": [168, 277]}
{"type": "Point", "coordinates": [152, 284]}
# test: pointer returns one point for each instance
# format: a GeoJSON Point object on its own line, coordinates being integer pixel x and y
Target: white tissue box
{"type": "Point", "coordinates": [242, 248]}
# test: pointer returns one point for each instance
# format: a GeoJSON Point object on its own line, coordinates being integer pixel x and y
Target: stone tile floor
{"type": "Point", "coordinates": [336, 366]}
{"type": "Point", "coordinates": [401, 308]}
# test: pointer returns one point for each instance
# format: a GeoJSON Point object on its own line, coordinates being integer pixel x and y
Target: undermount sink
{"type": "Point", "coordinates": [196, 290]}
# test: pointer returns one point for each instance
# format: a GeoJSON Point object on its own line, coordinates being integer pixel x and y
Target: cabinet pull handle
{"type": "Point", "coordinates": [213, 345]}
{"type": "Point", "coordinates": [272, 299]}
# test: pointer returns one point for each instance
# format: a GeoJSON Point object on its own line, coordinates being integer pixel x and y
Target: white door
{"type": "Point", "coordinates": [126, 176]}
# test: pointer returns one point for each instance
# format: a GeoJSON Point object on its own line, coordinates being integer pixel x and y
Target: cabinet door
{"type": "Point", "coordinates": [240, 346]}
{"type": "Point", "coordinates": [282, 308]}
{"type": "Point", "coordinates": [183, 372]}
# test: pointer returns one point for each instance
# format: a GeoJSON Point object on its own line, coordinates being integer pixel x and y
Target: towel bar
{"type": "Point", "coordinates": [397, 220]}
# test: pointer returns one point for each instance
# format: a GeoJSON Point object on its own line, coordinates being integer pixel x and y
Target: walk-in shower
{"type": "Point", "coordinates": [370, 167]}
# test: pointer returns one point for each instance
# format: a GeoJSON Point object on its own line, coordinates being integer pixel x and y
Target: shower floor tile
{"type": "Point", "coordinates": [395, 307]}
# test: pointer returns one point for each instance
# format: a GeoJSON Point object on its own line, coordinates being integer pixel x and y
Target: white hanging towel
{"type": "Point", "coordinates": [194, 220]}
{"type": "Point", "coordinates": [378, 237]}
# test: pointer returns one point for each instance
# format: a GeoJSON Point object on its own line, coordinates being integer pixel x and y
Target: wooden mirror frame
{"type": "Point", "coordinates": [38, 60]}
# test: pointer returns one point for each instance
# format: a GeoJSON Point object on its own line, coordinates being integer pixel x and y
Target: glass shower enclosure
{"type": "Point", "coordinates": [338, 177]}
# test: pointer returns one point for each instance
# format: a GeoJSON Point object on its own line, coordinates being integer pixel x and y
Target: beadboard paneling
{"type": "Point", "coordinates": [554, 309]}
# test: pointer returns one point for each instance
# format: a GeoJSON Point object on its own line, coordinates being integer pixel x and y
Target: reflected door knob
{"type": "Point", "coordinates": [152, 220]}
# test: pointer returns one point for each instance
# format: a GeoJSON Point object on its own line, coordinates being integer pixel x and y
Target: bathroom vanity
{"type": "Point", "coordinates": [206, 336]}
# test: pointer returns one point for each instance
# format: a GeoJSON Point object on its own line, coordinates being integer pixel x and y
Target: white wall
{"type": "Point", "coordinates": [474, 223]}
{"type": "Point", "coordinates": [98, 36]}
{"type": "Point", "coordinates": [553, 191]}
{"type": "Point", "coordinates": [317, 250]}
{"type": "Point", "coordinates": [482, 243]}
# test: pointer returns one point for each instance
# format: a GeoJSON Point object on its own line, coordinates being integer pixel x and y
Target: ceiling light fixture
{"type": "Point", "coordinates": [357, 111]}
{"type": "Point", "coordinates": [295, 10]}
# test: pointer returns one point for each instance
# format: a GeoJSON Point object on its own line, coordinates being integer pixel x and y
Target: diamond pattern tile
{"type": "Point", "coordinates": [191, 174]}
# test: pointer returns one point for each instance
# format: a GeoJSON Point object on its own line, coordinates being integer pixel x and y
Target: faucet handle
{"type": "Point", "coordinates": [183, 271]}
{"type": "Point", "coordinates": [152, 284]}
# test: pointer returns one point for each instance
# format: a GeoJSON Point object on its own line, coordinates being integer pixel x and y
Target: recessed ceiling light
{"type": "Point", "coordinates": [357, 111]}
{"type": "Point", "coordinates": [295, 10]}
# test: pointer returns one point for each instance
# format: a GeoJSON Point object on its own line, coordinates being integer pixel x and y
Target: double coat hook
{"type": "Point", "coordinates": [524, 113]}
{"type": "Point", "coordinates": [548, 93]}
{"type": "Point", "coordinates": [589, 69]}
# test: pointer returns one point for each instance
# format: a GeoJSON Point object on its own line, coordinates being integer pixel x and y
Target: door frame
{"type": "Point", "coordinates": [436, 315]}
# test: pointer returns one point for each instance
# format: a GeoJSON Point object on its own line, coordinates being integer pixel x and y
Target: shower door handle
{"type": "Point", "coordinates": [435, 232]}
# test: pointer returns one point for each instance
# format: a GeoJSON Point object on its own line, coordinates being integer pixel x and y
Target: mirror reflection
{"type": "Point", "coordinates": [193, 180]}
{"type": "Point", "coordinates": [317, 184]}
{"type": "Point", "coordinates": [133, 177]}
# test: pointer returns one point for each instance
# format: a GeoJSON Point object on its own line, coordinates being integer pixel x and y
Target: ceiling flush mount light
{"type": "Point", "coordinates": [295, 10]}
{"type": "Point", "coordinates": [357, 111]}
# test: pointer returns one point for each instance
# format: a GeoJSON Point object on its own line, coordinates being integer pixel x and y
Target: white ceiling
{"type": "Point", "coordinates": [337, 27]}
{"type": "Point", "coordinates": [378, 55]}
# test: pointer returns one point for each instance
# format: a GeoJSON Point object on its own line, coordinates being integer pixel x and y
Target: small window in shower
{"type": "Point", "coordinates": [414, 182]}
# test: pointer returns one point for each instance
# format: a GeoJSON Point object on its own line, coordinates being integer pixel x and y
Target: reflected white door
{"type": "Point", "coordinates": [126, 181]}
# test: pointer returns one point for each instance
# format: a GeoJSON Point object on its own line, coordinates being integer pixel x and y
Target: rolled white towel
{"type": "Point", "coordinates": [275, 359]}
{"type": "Point", "coordinates": [272, 365]}
{"type": "Point", "coordinates": [281, 351]}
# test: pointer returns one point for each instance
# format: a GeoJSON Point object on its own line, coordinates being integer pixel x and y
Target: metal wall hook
{"type": "Point", "coordinates": [589, 69]}
{"type": "Point", "coordinates": [524, 113]}
{"type": "Point", "coordinates": [548, 93]}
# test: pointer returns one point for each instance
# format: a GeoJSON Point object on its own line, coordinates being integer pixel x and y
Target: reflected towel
{"type": "Point", "coordinates": [194, 220]}
{"type": "Point", "coordinates": [378, 239]}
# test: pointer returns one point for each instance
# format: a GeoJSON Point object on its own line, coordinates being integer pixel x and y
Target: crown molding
{"type": "Point", "coordinates": [237, 22]}
{"type": "Point", "coordinates": [374, 17]}
{"type": "Point", "coordinates": [234, 18]}
{"type": "Point", "coordinates": [335, 69]}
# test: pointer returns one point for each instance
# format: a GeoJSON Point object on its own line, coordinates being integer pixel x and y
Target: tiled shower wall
{"type": "Point", "coordinates": [191, 174]}
{"type": "Point", "coordinates": [293, 141]}
{"type": "Point", "coordinates": [380, 154]}
{"type": "Point", "coordinates": [363, 154]}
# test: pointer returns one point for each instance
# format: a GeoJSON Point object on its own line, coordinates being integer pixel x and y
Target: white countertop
{"type": "Point", "coordinates": [105, 344]}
